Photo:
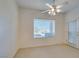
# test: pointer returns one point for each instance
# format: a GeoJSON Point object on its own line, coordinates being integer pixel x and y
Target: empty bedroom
{"type": "Point", "coordinates": [39, 28]}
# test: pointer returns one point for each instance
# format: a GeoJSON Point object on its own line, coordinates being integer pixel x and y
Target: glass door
{"type": "Point", "coordinates": [72, 30]}
{"type": "Point", "coordinates": [77, 33]}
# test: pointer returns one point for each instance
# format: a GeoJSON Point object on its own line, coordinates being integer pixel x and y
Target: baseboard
{"type": "Point", "coordinates": [44, 45]}
{"type": "Point", "coordinates": [15, 53]}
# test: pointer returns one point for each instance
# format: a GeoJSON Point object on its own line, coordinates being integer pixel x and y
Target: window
{"type": "Point", "coordinates": [44, 28]}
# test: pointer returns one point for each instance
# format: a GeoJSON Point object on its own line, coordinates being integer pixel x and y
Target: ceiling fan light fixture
{"type": "Point", "coordinates": [49, 12]}
{"type": "Point", "coordinates": [54, 13]}
{"type": "Point", "coordinates": [52, 9]}
{"type": "Point", "coordinates": [58, 10]}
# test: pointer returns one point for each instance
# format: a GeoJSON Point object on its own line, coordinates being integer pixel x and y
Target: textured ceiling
{"type": "Point", "coordinates": [40, 4]}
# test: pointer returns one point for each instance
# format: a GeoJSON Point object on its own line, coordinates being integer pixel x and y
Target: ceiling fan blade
{"type": "Point", "coordinates": [50, 6]}
{"type": "Point", "coordinates": [62, 4]}
{"type": "Point", "coordinates": [45, 11]}
{"type": "Point", "coordinates": [59, 6]}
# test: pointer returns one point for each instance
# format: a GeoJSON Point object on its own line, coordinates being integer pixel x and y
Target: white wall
{"type": "Point", "coordinates": [26, 29]}
{"type": "Point", "coordinates": [8, 28]}
{"type": "Point", "coordinates": [72, 15]}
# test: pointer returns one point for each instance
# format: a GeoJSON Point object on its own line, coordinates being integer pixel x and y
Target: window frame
{"type": "Point", "coordinates": [51, 29]}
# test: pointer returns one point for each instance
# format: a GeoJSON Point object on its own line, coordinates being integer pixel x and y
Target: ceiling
{"type": "Point", "coordinates": [40, 4]}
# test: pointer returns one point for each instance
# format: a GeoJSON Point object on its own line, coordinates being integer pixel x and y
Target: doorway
{"type": "Point", "coordinates": [73, 33]}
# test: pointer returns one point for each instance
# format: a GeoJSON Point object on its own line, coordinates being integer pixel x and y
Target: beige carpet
{"type": "Point", "coordinates": [56, 51]}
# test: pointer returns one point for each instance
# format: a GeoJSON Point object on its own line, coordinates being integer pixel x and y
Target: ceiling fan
{"type": "Point", "coordinates": [54, 9]}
